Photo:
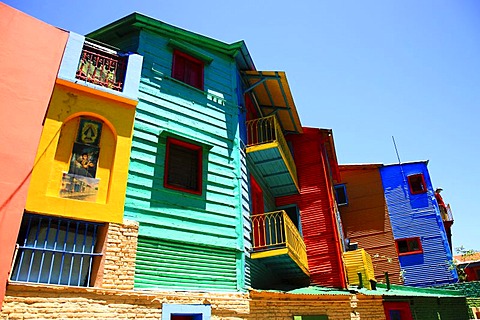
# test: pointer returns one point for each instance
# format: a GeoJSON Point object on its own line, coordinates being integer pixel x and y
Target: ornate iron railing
{"type": "Point", "coordinates": [101, 67]}
{"type": "Point", "coordinates": [274, 230]}
{"type": "Point", "coordinates": [266, 130]}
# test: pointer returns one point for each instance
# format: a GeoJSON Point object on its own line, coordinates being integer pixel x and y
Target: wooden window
{"type": "Point", "coordinates": [187, 69]}
{"type": "Point", "coordinates": [341, 194]}
{"type": "Point", "coordinates": [183, 166]}
{"type": "Point", "coordinates": [57, 251]}
{"type": "Point", "coordinates": [409, 246]}
{"type": "Point", "coordinates": [416, 183]}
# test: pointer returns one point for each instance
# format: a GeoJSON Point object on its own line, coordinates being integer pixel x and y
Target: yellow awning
{"type": "Point", "coordinates": [272, 93]}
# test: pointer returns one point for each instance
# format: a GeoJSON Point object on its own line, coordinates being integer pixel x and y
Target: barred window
{"type": "Point", "coordinates": [56, 251]}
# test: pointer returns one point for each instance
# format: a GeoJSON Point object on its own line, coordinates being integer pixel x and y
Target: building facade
{"type": "Point", "coordinates": [418, 229]}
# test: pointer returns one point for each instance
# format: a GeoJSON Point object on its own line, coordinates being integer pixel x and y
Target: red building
{"type": "Point", "coordinates": [317, 170]}
{"type": "Point", "coordinates": [29, 61]}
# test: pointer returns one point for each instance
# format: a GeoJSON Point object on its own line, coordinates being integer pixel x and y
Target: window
{"type": "Point", "coordinates": [417, 184]}
{"type": "Point", "coordinates": [183, 166]}
{"type": "Point", "coordinates": [341, 194]}
{"type": "Point", "coordinates": [186, 311]}
{"type": "Point", "coordinates": [56, 251]}
{"type": "Point", "coordinates": [187, 69]}
{"type": "Point", "coordinates": [409, 246]}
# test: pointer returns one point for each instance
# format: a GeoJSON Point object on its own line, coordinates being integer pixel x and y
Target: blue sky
{"type": "Point", "coordinates": [369, 70]}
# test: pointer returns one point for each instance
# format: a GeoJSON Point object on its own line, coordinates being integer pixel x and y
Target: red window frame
{"type": "Point", "coordinates": [187, 69]}
{"type": "Point", "coordinates": [409, 244]}
{"type": "Point", "coordinates": [168, 168]}
{"type": "Point", "coordinates": [417, 179]}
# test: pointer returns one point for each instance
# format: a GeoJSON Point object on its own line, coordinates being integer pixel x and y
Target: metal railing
{"type": "Point", "coordinates": [274, 230]}
{"type": "Point", "coordinates": [102, 68]}
{"type": "Point", "coordinates": [56, 251]}
{"type": "Point", "coordinates": [266, 130]}
{"type": "Point", "coordinates": [446, 213]}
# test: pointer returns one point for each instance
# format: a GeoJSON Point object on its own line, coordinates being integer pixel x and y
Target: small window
{"type": "Point", "coordinates": [409, 246]}
{"type": "Point", "coordinates": [417, 184]}
{"type": "Point", "coordinates": [186, 311]}
{"type": "Point", "coordinates": [183, 166]}
{"type": "Point", "coordinates": [57, 251]}
{"type": "Point", "coordinates": [187, 69]}
{"type": "Point", "coordinates": [341, 194]}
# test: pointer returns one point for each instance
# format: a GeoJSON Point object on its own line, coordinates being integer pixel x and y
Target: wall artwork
{"type": "Point", "coordinates": [80, 181]}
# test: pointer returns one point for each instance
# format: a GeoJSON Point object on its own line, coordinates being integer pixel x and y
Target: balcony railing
{"type": "Point", "coordinates": [102, 67]}
{"type": "Point", "coordinates": [275, 230]}
{"type": "Point", "coordinates": [267, 130]}
{"type": "Point", "coordinates": [446, 213]}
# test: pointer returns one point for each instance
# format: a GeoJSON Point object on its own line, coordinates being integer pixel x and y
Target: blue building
{"type": "Point", "coordinates": [421, 240]}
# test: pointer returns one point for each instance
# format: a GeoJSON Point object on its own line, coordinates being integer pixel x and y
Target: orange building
{"type": "Point", "coordinates": [365, 217]}
{"type": "Point", "coordinates": [29, 66]}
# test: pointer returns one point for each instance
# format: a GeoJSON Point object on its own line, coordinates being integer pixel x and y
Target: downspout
{"type": "Point", "coordinates": [332, 213]}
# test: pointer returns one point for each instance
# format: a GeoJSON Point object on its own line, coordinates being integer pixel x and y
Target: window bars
{"type": "Point", "coordinates": [56, 251]}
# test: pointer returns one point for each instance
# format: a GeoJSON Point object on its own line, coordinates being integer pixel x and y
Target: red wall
{"type": "Point", "coordinates": [316, 206]}
{"type": "Point", "coordinates": [29, 61]}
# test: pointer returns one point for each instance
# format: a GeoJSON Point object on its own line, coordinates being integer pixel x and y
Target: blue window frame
{"type": "Point", "coordinates": [186, 311]}
{"type": "Point", "coordinates": [56, 251]}
{"type": "Point", "coordinates": [341, 194]}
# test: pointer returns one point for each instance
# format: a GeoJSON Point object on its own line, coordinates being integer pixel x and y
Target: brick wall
{"type": "Point", "coordinates": [113, 296]}
{"type": "Point", "coordinates": [268, 305]}
{"type": "Point", "coordinates": [118, 266]}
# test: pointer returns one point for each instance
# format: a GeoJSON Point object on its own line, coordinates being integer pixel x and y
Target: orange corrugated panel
{"type": "Point", "coordinates": [315, 203]}
{"type": "Point", "coordinates": [365, 219]}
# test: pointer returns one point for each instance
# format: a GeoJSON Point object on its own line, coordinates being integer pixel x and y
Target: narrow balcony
{"type": "Point", "coordinates": [359, 262]}
{"type": "Point", "coordinates": [278, 243]}
{"type": "Point", "coordinates": [446, 213]}
{"type": "Point", "coordinates": [268, 150]}
{"type": "Point", "coordinates": [101, 66]}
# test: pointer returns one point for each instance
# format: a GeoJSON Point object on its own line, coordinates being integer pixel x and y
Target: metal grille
{"type": "Point", "coordinates": [56, 251]}
{"type": "Point", "coordinates": [101, 67]}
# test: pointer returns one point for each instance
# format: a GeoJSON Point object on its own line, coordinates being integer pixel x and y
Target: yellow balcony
{"type": "Point", "coordinates": [359, 261]}
{"type": "Point", "coordinates": [269, 152]}
{"type": "Point", "coordinates": [278, 243]}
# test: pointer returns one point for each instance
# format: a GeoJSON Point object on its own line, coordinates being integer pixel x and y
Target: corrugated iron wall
{"type": "Point", "coordinates": [417, 215]}
{"type": "Point", "coordinates": [197, 227]}
{"type": "Point", "coordinates": [316, 210]}
{"type": "Point", "coordinates": [366, 220]}
{"type": "Point", "coordinates": [168, 265]}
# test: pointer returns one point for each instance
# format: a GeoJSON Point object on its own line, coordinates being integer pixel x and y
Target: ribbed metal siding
{"type": "Point", "coordinates": [169, 265]}
{"type": "Point", "coordinates": [417, 216]}
{"type": "Point", "coordinates": [211, 223]}
{"type": "Point", "coordinates": [366, 220]}
{"type": "Point", "coordinates": [317, 215]}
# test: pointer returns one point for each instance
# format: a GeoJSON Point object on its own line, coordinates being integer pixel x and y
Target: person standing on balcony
{"type": "Point", "coordinates": [441, 204]}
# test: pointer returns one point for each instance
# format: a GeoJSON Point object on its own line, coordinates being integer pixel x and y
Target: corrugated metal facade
{"type": "Point", "coordinates": [205, 233]}
{"type": "Point", "coordinates": [366, 220]}
{"type": "Point", "coordinates": [417, 215]}
{"type": "Point", "coordinates": [359, 261]}
{"type": "Point", "coordinates": [161, 264]}
{"type": "Point", "coordinates": [317, 210]}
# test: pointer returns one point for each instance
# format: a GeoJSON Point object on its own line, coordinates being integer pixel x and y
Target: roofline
{"type": "Point", "coordinates": [138, 21]}
{"type": "Point", "coordinates": [407, 162]}
{"type": "Point", "coordinates": [357, 166]}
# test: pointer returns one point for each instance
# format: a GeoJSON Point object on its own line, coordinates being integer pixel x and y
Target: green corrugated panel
{"type": "Point", "coordinates": [169, 265]}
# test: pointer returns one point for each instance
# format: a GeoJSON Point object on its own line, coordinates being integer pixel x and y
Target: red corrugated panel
{"type": "Point", "coordinates": [315, 203]}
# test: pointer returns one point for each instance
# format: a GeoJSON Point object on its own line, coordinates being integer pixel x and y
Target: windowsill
{"type": "Point", "coordinates": [410, 253]}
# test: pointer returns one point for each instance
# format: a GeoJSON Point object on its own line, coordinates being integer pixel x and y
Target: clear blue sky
{"type": "Point", "coordinates": [369, 70]}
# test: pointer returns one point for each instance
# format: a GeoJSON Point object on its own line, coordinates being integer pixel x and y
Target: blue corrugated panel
{"type": "Point", "coordinates": [417, 215]}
